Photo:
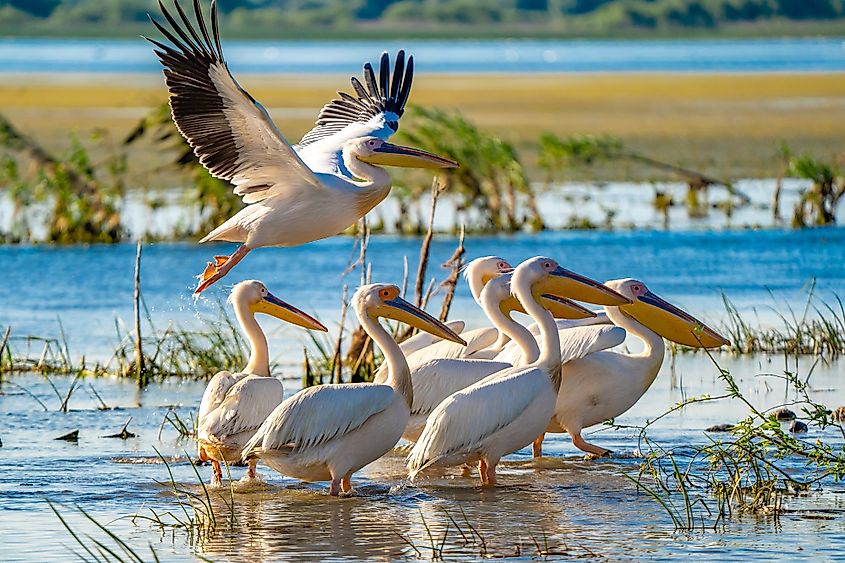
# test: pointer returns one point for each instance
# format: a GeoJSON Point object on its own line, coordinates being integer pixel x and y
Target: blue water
{"type": "Point", "coordinates": [87, 287]}
{"type": "Point", "coordinates": [529, 56]}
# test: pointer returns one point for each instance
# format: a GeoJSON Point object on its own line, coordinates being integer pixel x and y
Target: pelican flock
{"type": "Point", "coordinates": [459, 396]}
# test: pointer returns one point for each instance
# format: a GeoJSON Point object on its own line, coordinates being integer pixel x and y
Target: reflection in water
{"type": "Point", "coordinates": [575, 507]}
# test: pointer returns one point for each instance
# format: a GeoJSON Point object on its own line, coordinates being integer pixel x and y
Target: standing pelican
{"type": "Point", "coordinates": [235, 404]}
{"type": "Point", "coordinates": [329, 432]}
{"type": "Point", "coordinates": [605, 384]}
{"type": "Point", "coordinates": [297, 194]}
{"type": "Point", "coordinates": [438, 378]}
{"type": "Point", "coordinates": [507, 410]}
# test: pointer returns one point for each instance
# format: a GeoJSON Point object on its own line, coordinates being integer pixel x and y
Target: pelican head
{"type": "Point", "coordinates": [664, 318]}
{"type": "Point", "coordinates": [545, 276]}
{"type": "Point", "coordinates": [255, 296]}
{"type": "Point", "coordinates": [498, 293]}
{"type": "Point", "coordinates": [373, 150]}
{"type": "Point", "coordinates": [486, 268]}
{"type": "Point", "coordinates": [380, 300]}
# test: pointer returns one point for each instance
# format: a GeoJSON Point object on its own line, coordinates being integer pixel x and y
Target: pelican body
{"type": "Point", "coordinates": [605, 384]}
{"type": "Point", "coordinates": [235, 404]}
{"type": "Point", "coordinates": [503, 412]}
{"type": "Point", "coordinates": [437, 378]}
{"type": "Point", "coordinates": [328, 432]}
{"type": "Point", "coordinates": [295, 194]}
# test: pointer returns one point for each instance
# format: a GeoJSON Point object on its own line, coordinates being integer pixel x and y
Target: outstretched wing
{"type": "Point", "coordinates": [230, 132]}
{"type": "Point", "coordinates": [373, 110]}
{"type": "Point", "coordinates": [318, 414]}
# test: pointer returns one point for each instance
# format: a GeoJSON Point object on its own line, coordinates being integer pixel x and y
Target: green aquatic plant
{"type": "Point", "coordinates": [743, 472]}
{"type": "Point", "coordinates": [491, 181]}
{"type": "Point", "coordinates": [817, 204]}
{"type": "Point", "coordinates": [83, 198]}
{"type": "Point", "coordinates": [818, 329]}
{"type": "Point", "coordinates": [558, 154]}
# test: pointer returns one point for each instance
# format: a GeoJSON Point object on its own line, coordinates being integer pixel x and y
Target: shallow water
{"type": "Point", "coordinates": [87, 288]}
{"type": "Point", "coordinates": [583, 508]}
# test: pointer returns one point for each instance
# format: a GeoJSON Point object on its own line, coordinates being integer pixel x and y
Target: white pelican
{"type": "Point", "coordinates": [507, 410]}
{"type": "Point", "coordinates": [605, 384]}
{"type": "Point", "coordinates": [235, 404]}
{"type": "Point", "coordinates": [438, 378]}
{"type": "Point", "coordinates": [298, 194]}
{"type": "Point", "coordinates": [329, 432]}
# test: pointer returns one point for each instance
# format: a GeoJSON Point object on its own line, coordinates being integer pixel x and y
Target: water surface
{"type": "Point", "coordinates": [453, 56]}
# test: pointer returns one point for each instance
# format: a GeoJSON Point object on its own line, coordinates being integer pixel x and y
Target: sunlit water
{"type": "Point", "coordinates": [506, 56]}
{"type": "Point", "coordinates": [583, 508]}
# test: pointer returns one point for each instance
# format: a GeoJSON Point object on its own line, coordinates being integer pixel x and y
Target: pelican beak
{"type": "Point", "coordinates": [406, 157]}
{"type": "Point", "coordinates": [564, 283]}
{"type": "Point", "coordinates": [559, 307]}
{"type": "Point", "coordinates": [275, 307]}
{"type": "Point", "coordinates": [672, 323]}
{"type": "Point", "coordinates": [487, 277]}
{"type": "Point", "coordinates": [400, 310]}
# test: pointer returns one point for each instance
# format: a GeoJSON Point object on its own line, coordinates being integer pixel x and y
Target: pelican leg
{"type": "Point", "coordinates": [346, 483]}
{"type": "Point", "coordinates": [482, 471]}
{"type": "Point", "coordinates": [585, 446]}
{"type": "Point", "coordinates": [491, 474]}
{"type": "Point", "coordinates": [537, 446]}
{"type": "Point", "coordinates": [466, 470]}
{"type": "Point", "coordinates": [334, 488]}
{"type": "Point", "coordinates": [219, 268]}
{"type": "Point", "coordinates": [217, 474]}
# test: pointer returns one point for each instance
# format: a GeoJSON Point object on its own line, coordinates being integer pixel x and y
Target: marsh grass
{"type": "Point", "coordinates": [701, 486]}
{"type": "Point", "coordinates": [818, 329]}
{"type": "Point", "coordinates": [194, 353]}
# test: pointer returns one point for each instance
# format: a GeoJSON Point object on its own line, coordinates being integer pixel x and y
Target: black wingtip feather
{"type": "Point", "coordinates": [388, 94]}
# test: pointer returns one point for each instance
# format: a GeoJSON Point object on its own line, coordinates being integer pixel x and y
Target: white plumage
{"type": "Point", "coordinates": [509, 409]}
{"type": "Point", "coordinates": [234, 405]}
{"type": "Point", "coordinates": [295, 194]}
{"type": "Point", "coordinates": [331, 431]}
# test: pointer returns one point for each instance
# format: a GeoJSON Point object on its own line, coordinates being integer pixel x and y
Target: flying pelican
{"type": "Point", "coordinates": [329, 432]}
{"type": "Point", "coordinates": [438, 378]}
{"type": "Point", "coordinates": [603, 385]}
{"type": "Point", "coordinates": [297, 194]}
{"type": "Point", "coordinates": [235, 404]}
{"type": "Point", "coordinates": [507, 410]}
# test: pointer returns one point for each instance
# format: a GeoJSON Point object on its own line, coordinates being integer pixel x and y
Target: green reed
{"type": "Point", "coordinates": [743, 472]}
{"type": "Point", "coordinates": [818, 329]}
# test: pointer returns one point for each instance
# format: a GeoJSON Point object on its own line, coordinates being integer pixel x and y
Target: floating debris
{"type": "Point", "coordinates": [798, 427]}
{"type": "Point", "coordinates": [725, 427]}
{"type": "Point", "coordinates": [124, 434]}
{"type": "Point", "coordinates": [69, 437]}
{"type": "Point", "coordinates": [783, 413]}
